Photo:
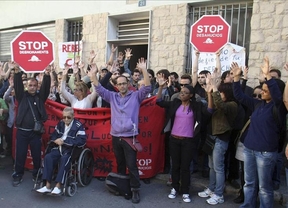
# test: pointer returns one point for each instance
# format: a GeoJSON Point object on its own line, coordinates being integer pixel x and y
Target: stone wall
{"type": "Point", "coordinates": [269, 37]}
{"type": "Point", "coordinates": [61, 33]}
{"type": "Point", "coordinates": [168, 42]}
{"type": "Point", "coordinates": [94, 36]}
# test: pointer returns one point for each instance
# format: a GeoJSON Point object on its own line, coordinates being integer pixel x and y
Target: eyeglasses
{"type": "Point", "coordinates": [123, 83]}
{"type": "Point", "coordinates": [257, 96]}
{"type": "Point", "coordinates": [67, 117]}
{"type": "Point", "coordinates": [184, 85]}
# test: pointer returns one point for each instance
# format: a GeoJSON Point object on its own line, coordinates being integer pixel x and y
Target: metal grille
{"type": "Point", "coordinates": [75, 30]}
{"type": "Point", "coordinates": [131, 30]}
{"type": "Point", "coordinates": [238, 16]}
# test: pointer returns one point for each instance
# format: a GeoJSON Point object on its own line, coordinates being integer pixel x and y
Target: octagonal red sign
{"type": "Point", "coordinates": [210, 33]}
{"type": "Point", "coordinates": [32, 50]}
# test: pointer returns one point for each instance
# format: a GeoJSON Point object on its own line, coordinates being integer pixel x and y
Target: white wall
{"type": "Point", "coordinates": [19, 13]}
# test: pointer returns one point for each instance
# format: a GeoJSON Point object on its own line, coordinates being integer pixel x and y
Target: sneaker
{"type": "Point", "coordinates": [215, 199]}
{"type": "Point", "coordinates": [186, 198]}
{"type": "Point", "coordinates": [17, 180]}
{"type": "Point", "coordinates": [172, 194]}
{"type": "Point", "coordinates": [3, 154]}
{"type": "Point", "coordinates": [206, 193]}
{"type": "Point", "coordinates": [56, 191]}
{"type": "Point", "coordinates": [169, 182]}
{"type": "Point", "coordinates": [43, 190]}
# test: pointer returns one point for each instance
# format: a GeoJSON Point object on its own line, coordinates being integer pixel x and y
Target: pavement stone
{"type": "Point", "coordinates": [280, 195]}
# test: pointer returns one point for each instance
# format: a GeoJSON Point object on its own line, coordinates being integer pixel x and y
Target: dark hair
{"type": "Point", "coordinates": [280, 84]}
{"type": "Point", "coordinates": [175, 75]}
{"type": "Point", "coordinates": [277, 71]}
{"type": "Point", "coordinates": [204, 72]}
{"type": "Point", "coordinates": [227, 89]}
{"type": "Point", "coordinates": [121, 76]}
{"type": "Point", "coordinates": [186, 76]}
{"type": "Point", "coordinates": [190, 88]}
{"type": "Point", "coordinates": [150, 71]}
{"type": "Point", "coordinates": [224, 75]}
{"type": "Point", "coordinates": [165, 72]}
{"type": "Point", "coordinates": [135, 70]}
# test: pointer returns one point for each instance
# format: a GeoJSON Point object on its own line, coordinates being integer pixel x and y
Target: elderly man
{"type": "Point", "coordinates": [68, 133]}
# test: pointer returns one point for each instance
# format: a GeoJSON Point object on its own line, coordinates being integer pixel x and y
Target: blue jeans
{"type": "Point", "coordinates": [217, 169]}
{"type": "Point", "coordinates": [258, 170]}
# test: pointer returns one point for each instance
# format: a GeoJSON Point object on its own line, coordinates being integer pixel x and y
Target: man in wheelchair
{"type": "Point", "coordinates": [68, 133]}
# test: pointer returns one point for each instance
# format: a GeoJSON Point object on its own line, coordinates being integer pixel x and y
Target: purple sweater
{"type": "Point", "coordinates": [124, 110]}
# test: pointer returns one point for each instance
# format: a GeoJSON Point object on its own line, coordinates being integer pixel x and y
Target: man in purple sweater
{"type": "Point", "coordinates": [125, 107]}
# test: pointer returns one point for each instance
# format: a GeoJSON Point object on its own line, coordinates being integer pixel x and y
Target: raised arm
{"type": "Point", "coordinates": [111, 59]}
{"type": "Point", "coordinates": [141, 65]}
{"type": "Point", "coordinates": [195, 69]}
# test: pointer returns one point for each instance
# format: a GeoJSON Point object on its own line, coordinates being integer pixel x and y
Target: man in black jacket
{"type": "Point", "coordinates": [25, 120]}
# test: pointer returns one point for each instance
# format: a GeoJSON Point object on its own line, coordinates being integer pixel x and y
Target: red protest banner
{"type": "Point", "coordinates": [97, 124]}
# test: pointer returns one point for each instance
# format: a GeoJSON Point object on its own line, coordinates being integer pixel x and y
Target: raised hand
{"type": "Point", "coordinates": [11, 81]}
{"type": "Point", "coordinates": [128, 53]}
{"type": "Point", "coordinates": [141, 65]}
{"type": "Point", "coordinates": [48, 69]}
{"type": "Point", "coordinates": [218, 53]}
{"type": "Point", "coordinates": [197, 53]}
{"type": "Point", "coordinates": [161, 80]}
{"type": "Point", "coordinates": [235, 69]}
{"type": "Point", "coordinates": [113, 49]}
{"type": "Point", "coordinates": [120, 56]}
{"type": "Point", "coordinates": [245, 72]}
{"type": "Point", "coordinates": [75, 68]}
{"type": "Point", "coordinates": [265, 66]}
{"type": "Point", "coordinates": [286, 67]}
{"type": "Point", "coordinates": [81, 65]}
{"type": "Point", "coordinates": [92, 55]}
{"type": "Point", "coordinates": [66, 69]}
{"type": "Point", "coordinates": [93, 70]}
{"type": "Point", "coordinates": [77, 59]}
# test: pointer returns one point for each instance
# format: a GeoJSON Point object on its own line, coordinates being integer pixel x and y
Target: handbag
{"type": "Point", "coordinates": [134, 143]}
{"type": "Point", "coordinates": [208, 145]}
{"type": "Point", "coordinates": [38, 125]}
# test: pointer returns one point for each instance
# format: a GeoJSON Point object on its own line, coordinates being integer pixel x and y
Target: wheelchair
{"type": "Point", "coordinates": [80, 172]}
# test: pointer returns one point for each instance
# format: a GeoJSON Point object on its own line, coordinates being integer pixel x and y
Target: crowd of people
{"type": "Point", "coordinates": [246, 125]}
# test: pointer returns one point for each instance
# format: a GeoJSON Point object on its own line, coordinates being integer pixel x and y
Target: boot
{"type": "Point", "coordinates": [240, 198]}
{"type": "Point", "coordinates": [135, 196]}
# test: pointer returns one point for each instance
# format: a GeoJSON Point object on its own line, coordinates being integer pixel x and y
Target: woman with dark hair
{"type": "Point", "coordinates": [261, 143]}
{"type": "Point", "coordinates": [186, 120]}
{"type": "Point", "coordinates": [224, 110]}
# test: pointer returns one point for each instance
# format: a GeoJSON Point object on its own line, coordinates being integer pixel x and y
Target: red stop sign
{"type": "Point", "coordinates": [210, 33]}
{"type": "Point", "coordinates": [32, 50]}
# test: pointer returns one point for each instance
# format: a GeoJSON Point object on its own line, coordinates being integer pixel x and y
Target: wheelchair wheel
{"type": "Point", "coordinates": [85, 167]}
{"type": "Point", "coordinates": [71, 189]}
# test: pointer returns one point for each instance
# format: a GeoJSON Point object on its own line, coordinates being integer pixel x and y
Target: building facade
{"type": "Point", "coordinates": [156, 30]}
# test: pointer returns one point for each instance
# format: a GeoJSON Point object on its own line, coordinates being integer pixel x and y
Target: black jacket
{"type": "Point", "coordinates": [199, 110]}
{"type": "Point", "coordinates": [24, 118]}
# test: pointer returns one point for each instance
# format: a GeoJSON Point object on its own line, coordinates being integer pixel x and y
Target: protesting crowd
{"type": "Point", "coordinates": [236, 132]}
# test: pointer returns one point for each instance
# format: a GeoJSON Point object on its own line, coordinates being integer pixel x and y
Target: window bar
{"type": "Point", "coordinates": [237, 41]}
{"type": "Point", "coordinates": [231, 22]}
{"type": "Point", "coordinates": [245, 19]}
{"type": "Point", "coordinates": [78, 36]}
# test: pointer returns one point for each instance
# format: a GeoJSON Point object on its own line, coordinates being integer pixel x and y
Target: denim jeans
{"type": "Point", "coordinates": [217, 169]}
{"type": "Point", "coordinates": [258, 170]}
{"type": "Point", "coordinates": [126, 157]}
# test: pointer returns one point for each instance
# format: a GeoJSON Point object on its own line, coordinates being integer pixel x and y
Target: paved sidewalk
{"type": "Point", "coordinates": [280, 196]}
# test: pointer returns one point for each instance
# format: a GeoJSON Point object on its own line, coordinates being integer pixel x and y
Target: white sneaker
{"type": "Point", "coordinates": [186, 198]}
{"type": "Point", "coordinates": [56, 191]}
{"type": "Point", "coordinates": [43, 190]}
{"type": "Point", "coordinates": [172, 194]}
{"type": "Point", "coordinates": [207, 192]}
{"type": "Point", "coordinates": [215, 199]}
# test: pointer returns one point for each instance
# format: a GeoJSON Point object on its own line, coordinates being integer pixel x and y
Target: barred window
{"type": "Point", "coordinates": [75, 30]}
{"type": "Point", "coordinates": [237, 15]}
